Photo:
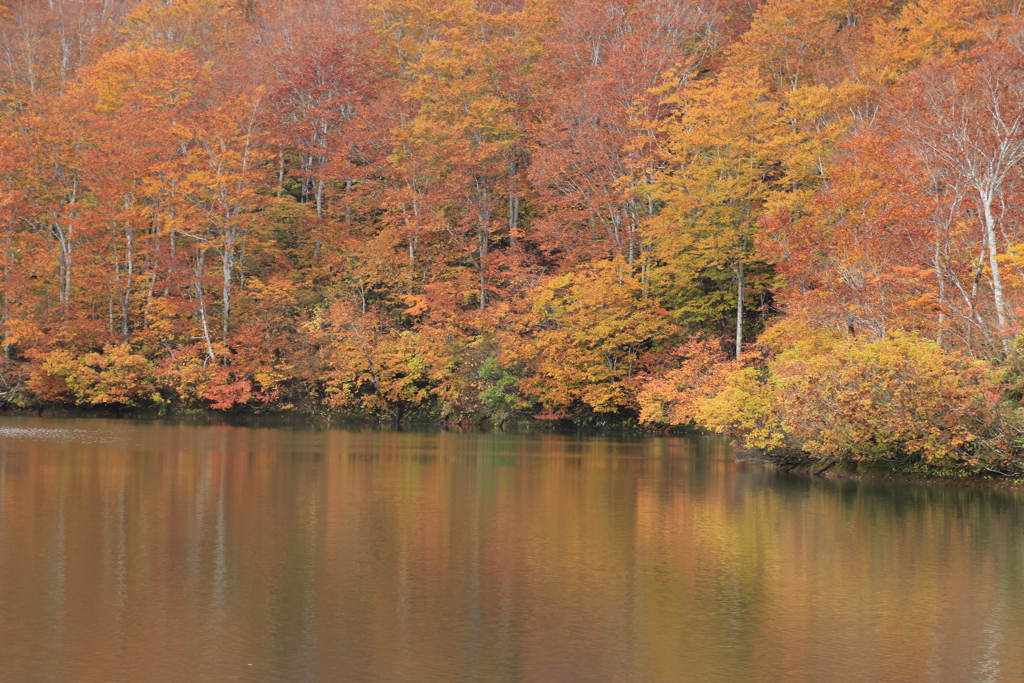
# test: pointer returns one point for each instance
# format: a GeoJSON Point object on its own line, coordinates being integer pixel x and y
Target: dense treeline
{"type": "Point", "coordinates": [793, 220]}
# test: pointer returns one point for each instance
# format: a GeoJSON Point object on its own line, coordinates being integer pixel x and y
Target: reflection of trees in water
{"type": "Point", "coordinates": [440, 556]}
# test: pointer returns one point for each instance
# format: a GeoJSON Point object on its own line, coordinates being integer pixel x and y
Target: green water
{"type": "Point", "coordinates": [157, 552]}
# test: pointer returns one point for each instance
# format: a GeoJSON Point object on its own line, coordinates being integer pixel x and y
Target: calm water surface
{"type": "Point", "coordinates": [160, 552]}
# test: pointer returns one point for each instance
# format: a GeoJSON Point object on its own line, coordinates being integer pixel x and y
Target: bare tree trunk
{"type": "Point", "coordinates": [227, 269]}
{"type": "Point", "coordinates": [513, 202]}
{"type": "Point", "coordinates": [739, 307]}
{"type": "Point", "coordinates": [280, 173]}
{"type": "Point", "coordinates": [484, 236]}
{"type": "Point", "coordinates": [484, 244]}
{"type": "Point", "coordinates": [125, 292]}
{"type": "Point", "coordinates": [65, 252]}
{"type": "Point", "coordinates": [941, 281]}
{"type": "Point", "coordinates": [197, 285]}
{"type": "Point", "coordinates": [993, 258]}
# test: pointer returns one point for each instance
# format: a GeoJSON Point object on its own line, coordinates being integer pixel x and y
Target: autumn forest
{"type": "Point", "coordinates": [798, 222]}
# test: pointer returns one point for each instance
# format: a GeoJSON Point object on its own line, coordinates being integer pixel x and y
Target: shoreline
{"type": "Point", "coordinates": [910, 473]}
{"type": "Point", "coordinates": [789, 462]}
{"type": "Point", "coordinates": [326, 420]}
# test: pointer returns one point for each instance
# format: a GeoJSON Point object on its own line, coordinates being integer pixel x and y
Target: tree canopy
{"type": "Point", "coordinates": [495, 209]}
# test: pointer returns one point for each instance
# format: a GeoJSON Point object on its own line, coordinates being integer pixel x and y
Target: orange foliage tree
{"type": "Point", "coordinates": [503, 209]}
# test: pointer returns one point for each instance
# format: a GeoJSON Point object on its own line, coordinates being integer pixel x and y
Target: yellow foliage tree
{"type": "Point", "coordinates": [595, 332]}
{"type": "Point", "coordinates": [834, 397]}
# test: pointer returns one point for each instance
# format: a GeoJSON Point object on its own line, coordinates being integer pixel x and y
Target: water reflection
{"type": "Point", "coordinates": [172, 552]}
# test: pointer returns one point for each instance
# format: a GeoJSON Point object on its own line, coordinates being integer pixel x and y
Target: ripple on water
{"type": "Point", "coordinates": [73, 434]}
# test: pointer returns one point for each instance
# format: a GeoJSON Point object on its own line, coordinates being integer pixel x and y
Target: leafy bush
{"type": "Point", "coordinates": [837, 397]}
{"type": "Point", "coordinates": [114, 377]}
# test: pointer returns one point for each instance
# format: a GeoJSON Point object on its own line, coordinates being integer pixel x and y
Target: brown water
{"type": "Point", "coordinates": [148, 552]}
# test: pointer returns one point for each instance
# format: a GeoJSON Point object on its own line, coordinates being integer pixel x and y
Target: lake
{"type": "Point", "coordinates": [148, 551]}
